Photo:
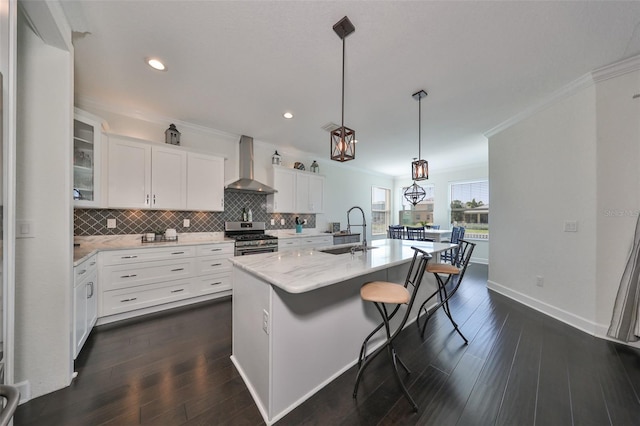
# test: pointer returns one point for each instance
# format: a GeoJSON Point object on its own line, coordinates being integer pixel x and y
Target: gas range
{"type": "Point", "coordinates": [250, 238]}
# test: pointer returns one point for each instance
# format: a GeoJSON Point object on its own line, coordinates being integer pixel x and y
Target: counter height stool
{"type": "Point", "coordinates": [453, 271]}
{"type": "Point", "coordinates": [382, 293]}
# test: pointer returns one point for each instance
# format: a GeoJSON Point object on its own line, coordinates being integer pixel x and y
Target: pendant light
{"type": "Point", "coordinates": [343, 139]}
{"type": "Point", "coordinates": [420, 167]}
{"type": "Point", "coordinates": [415, 193]}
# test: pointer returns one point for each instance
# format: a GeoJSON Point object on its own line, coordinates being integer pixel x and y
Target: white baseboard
{"type": "Point", "coordinates": [25, 391]}
{"type": "Point", "coordinates": [566, 317]}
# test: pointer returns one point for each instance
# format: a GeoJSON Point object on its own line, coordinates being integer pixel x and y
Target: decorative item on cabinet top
{"type": "Point", "coordinates": [172, 135]}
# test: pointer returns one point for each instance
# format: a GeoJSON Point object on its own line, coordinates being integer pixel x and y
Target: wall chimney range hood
{"type": "Point", "coordinates": [246, 183]}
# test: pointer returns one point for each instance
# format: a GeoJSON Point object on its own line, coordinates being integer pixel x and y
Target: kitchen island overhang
{"type": "Point", "coordinates": [298, 320]}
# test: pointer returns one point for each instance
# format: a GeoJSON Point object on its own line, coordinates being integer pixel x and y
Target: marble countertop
{"type": "Point", "coordinates": [92, 244]}
{"type": "Point", "coordinates": [300, 271]}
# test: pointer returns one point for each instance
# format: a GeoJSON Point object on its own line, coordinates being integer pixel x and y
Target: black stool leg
{"type": "Point", "coordinates": [395, 359]}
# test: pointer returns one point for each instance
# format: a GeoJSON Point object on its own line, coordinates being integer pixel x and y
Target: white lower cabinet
{"type": "Point", "coordinates": [85, 302]}
{"type": "Point", "coordinates": [150, 277]}
{"type": "Point", "coordinates": [310, 241]}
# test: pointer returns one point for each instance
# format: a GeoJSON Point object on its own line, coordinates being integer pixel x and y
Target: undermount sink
{"type": "Point", "coordinates": [347, 249]}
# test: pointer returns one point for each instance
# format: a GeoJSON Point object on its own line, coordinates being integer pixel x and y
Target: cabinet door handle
{"type": "Point", "coordinates": [128, 276]}
{"type": "Point", "coordinates": [90, 295]}
{"type": "Point", "coordinates": [129, 300]}
{"type": "Point", "coordinates": [128, 257]}
{"type": "Point", "coordinates": [177, 291]}
{"type": "Point", "coordinates": [216, 264]}
{"type": "Point", "coordinates": [82, 272]}
{"type": "Point", "coordinates": [178, 252]}
{"type": "Point", "coordinates": [154, 199]}
{"type": "Point", "coordinates": [92, 263]}
{"type": "Point", "coordinates": [178, 269]}
{"type": "Point", "coordinates": [146, 200]}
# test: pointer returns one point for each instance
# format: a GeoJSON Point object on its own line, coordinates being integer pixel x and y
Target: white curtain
{"type": "Point", "coordinates": [625, 323]}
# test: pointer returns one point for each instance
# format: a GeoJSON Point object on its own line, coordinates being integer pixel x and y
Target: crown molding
{"type": "Point", "coordinates": [616, 69]}
{"type": "Point", "coordinates": [564, 92]}
{"type": "Point", "coordinates": [150, 117]}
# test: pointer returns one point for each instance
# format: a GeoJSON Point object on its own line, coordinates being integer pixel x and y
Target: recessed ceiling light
{"type": "Point", "coordinates": [156, 64]}
{"type": "Point", "coordinates": [287, 115]}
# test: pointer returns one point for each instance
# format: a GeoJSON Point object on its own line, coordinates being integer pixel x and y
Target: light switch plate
{"type": "Point", "coordinates": [111, 223]}
{"type": "Point", "coordinates": [273, 222]}
{"type": "Point", "coordinates": [186, 223]}
{"type": "Point", "coordinates": [281, 221]}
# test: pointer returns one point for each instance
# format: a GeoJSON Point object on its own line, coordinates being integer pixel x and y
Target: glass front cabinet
{"type": "Point", "coordinates": [87, 135]}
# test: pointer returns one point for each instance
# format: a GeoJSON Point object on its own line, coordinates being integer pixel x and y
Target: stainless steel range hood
{"type": "Point", "coordinates": [246, 183]}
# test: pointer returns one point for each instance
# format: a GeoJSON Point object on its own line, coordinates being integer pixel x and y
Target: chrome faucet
{"type": "Point", "coordinates": [364, 225]}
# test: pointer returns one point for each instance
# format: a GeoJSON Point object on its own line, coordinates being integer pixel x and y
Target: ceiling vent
{"type": "Point", "coordinates": [330, 127]}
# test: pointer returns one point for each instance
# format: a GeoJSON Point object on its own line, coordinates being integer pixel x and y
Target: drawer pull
{"type": "Point", "coordinates": [216, 283]}
{"type": "Point", "coordinates": [178, 269]}
{"type": "Point", "coordinates": [216, 249]}
{"type": "Point", "coordinates": [128, 276]}
{"type": "Point", "coordinates": [178, 252]}
{"type": "Point", "coordinates": [177, 291]}
{"type": "Point", "coordinates": [129, 257]}
{"type": "Point", "coordinates": [216, 264]}
{"type": "Point", "coordinates": [92, 263]}
{"type": "Point", "coordinates": [82, 272]}
{"type": "Point", "coordinates": [129, 300]}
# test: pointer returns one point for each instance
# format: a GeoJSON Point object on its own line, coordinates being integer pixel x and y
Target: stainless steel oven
{"type": "Point", "coordinates": [250, 238]}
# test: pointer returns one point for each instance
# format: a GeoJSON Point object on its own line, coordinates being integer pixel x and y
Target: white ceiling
{"type": "Point", "coordinates": [236, 66]}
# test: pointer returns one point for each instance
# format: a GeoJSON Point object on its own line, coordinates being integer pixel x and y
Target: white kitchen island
{"type": "Point", "coordinates": [298, 320]}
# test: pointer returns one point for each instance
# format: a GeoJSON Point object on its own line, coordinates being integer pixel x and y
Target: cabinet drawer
{"type": "Point", "coordinates": [287, 243]}
{"type": "Point", "coordinates": [215, 249]}
{"type": "Point", "coordinates": [117, 301]}
{"type": "Point", "coordinates": [85, 269]}
{"type": "Point", "coordinates": [317, 241]}
{"type": "Point", "coordinates": [212, 264]}
{"type": "Point", "coordinates": [213, 283]}
{"type": "Point", "coordinates": [122, 276]}
{"type": "Point", "coordinates": [120, 257]}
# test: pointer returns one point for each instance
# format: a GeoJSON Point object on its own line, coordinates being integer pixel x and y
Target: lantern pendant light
{"type": "Point", "coordinates": [420, 167]}
{"type": "Point", "coordinates": [343, 139]}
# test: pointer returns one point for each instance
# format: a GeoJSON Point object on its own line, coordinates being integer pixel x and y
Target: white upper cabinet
{"type": "Point", "coordinates": [284, 181]}
{"type": "Point", "coordinates": [298, 192]}
{"type": "Point", "coordinates": [205, 182]}
{"type": "Point", "coordinates": [87, 150]}
{"type": "Point", "coordinates": [129, 174]}
{"type": "Point", "coordinates": [168, 178]}
{"type": "Point", "coordinates": [145, 175]}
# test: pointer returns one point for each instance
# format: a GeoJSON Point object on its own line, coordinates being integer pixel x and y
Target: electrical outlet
{"type": "Point", "coordinates": [539, 281]}
{"type": "Point", "coordinates": [111, 223]}
{"type": "Point", "coordinates": [570, 226]}
{"type": "Point", "coordinates": [186, 223]}
{"type": "Point", "coordinates": [273, 222]}
{"type": "Point", "coordinates": [304, 221]}
{"type": "Point", "coordinates": [281, 221]}
{"type": "Point", "coordinates": [265, 321]}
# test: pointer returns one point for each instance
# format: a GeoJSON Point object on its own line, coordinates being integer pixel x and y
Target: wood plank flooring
{"type": "Point", "coordinates": [519, 368]}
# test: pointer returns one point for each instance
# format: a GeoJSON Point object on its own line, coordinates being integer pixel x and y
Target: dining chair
{"type": "Point", "coordinates": [395, 232]}
{"type": "Point", "coordinates": [457, 234]}
{"type": "Point", "coordinates": [446, 273]}
{"type": "Point", "coordinates": [381, 294]}
{"type": "Point", "coordinates": [415, 233]}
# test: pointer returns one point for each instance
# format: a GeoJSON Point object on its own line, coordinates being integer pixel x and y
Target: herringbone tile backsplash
{"type": "Point", "coordinates": [94, 221]}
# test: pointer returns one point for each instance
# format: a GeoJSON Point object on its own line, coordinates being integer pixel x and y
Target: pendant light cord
{"type": "Point", "coordinates": [343, 55]}
{"type": "Point", "coordinates": [419, 127]}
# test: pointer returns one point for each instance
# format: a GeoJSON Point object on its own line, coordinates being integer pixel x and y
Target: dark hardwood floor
{"type": "Point", "coordinates": [519, 368]}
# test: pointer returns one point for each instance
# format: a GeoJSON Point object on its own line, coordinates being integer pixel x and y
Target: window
{"type": "Point", "coordinates": [380, 210]}
{"type": "Point", "coordinates": [470, 208]}
{"type": "Point", "coordinates": [421, 213]}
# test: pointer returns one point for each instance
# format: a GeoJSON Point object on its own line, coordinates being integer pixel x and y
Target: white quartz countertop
{"type": "Point", "coordinates": [300, 271]}
{"type": "Point", "coordinates": [93, 244]}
